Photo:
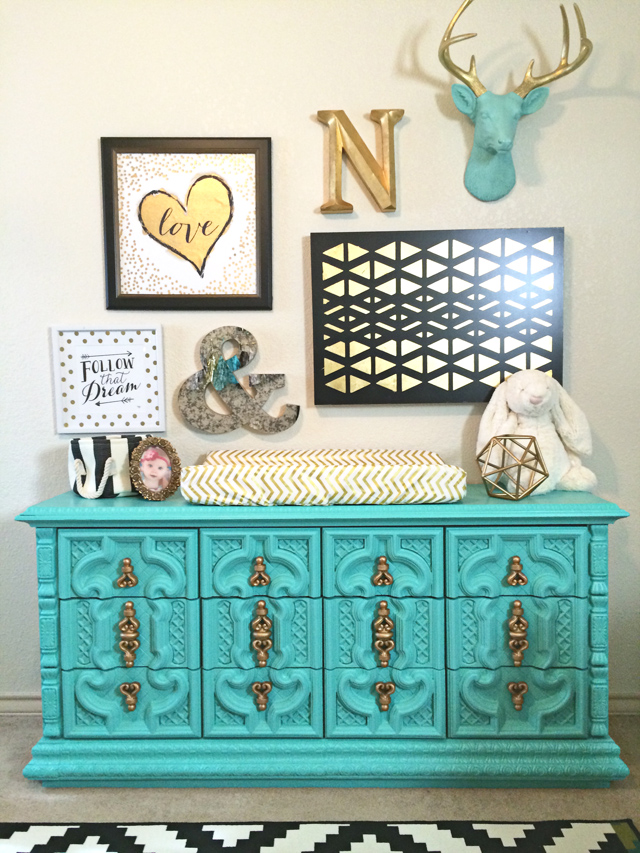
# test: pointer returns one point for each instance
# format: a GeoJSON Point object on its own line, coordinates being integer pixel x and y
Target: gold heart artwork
{"type": "Point", "coordinates": [192, 230]}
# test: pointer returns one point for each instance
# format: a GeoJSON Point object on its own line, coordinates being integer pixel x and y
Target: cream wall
{"type": "Point", "coordinates": [72, 71]}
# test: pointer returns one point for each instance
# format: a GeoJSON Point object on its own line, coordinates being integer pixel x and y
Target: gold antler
{"type": "Point", "coordinates": [469, 77]}
{"type": "Point", "coordinates": [564, 66]}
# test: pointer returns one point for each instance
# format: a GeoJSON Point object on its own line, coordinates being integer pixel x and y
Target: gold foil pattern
{"type": "Point", "coordinates": [155, 270]}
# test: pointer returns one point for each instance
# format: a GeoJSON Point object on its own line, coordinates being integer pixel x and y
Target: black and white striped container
{"type": "Point", "coordinates": [99, 466]}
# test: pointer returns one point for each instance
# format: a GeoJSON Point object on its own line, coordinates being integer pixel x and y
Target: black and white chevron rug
{"type": "Point", "coordinates": [559, 836]}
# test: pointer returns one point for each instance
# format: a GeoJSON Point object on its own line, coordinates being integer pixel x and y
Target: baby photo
{"type": "Point", "coordinates": [155, 469]}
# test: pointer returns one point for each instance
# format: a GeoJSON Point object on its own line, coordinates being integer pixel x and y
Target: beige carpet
{"type": "Point", "coordinates": [23, 801]}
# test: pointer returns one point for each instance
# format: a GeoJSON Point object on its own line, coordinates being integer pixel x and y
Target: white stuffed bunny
{"type": "Point", "coordinates": [531, 403]}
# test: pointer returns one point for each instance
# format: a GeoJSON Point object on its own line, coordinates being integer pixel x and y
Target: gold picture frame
{"type": "Point", "coordinates": [155, 468]}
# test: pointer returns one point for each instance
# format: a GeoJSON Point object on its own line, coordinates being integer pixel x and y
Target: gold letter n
{"type": "Point", "coordinates": [379, 180]}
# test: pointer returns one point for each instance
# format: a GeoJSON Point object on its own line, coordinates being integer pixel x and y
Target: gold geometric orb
{"type": "Point", "coordinates": [511, 466]}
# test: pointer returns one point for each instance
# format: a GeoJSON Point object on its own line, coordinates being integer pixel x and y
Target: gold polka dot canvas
{"type": "Point", "coordinates": [188, 223]}
{"type": "Point", "coordinates": [108, 380]}
{"type": "Point", "coordinates": [433, 316]}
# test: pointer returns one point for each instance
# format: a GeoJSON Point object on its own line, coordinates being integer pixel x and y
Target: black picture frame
{"type": "Point", "coordinates": [131, 249]}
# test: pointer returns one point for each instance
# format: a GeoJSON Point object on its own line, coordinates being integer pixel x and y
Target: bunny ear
{"type": "Point", "coordinates": [571, 423]}
{"type": "Point", "coordinates": [494, 417]}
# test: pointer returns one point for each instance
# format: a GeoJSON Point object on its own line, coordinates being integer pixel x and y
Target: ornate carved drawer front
{"type": "Point", "coordinates": [293, 639]}
{"type": "Point", "coordinates": [131, 702]}
{"type": "Point", "coordinates": [386, 702]}
{"type": "Point", "coordinates": [550, 632]}
{"type": "Point", "coordinates": [262, 702]}
{"type": "Point", "coordinates": [552, 561]}
{"type": "Point", "coordinates": [553, 703]}
{"type": "Point", "coordinates": [110, 563]}
{"type": "Point", "coordinates": [415, 627]}
{"type": "Point", "coordinates": [94, 633]}
{"type": "Point", "coordinates": [403, 562]}
{"type": "Point", "coordinates": [272, 562]}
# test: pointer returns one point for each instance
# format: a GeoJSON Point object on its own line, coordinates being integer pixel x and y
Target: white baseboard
{"type": "Point", "coordinates": [619, 703]}
{"type": "Point", "coordinates": [624, 703]}
{"type": "Point", "coordinates": [23, 704]}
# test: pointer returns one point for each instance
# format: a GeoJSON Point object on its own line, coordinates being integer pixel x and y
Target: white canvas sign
{"type": "Point", "coordinates": [108, 380]}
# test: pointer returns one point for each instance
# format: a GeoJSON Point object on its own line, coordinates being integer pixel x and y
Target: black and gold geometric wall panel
{"type": "Point", "coordinates": [433, 316]}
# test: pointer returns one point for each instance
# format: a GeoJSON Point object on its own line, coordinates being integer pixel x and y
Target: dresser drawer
{"type": "Point", "coordinates": [478, 632]}
{"type": "Point", "coordinates": [416, 707]}
{"type": "Point", "coordinates": [167, 703]}
{"type": "Point", "coordinates": [294, 706]}
{"type": "Point", "coordinates": [168, 634]}
{"type": "Point", "coordinates": [296, 632]}
{"type": "Point", "coordinates": [554, 561]}
{"type": "Point", "coordinates": [230, 559]}
{"type": "Point", "coordinates": [555, 704]}
{"type": "Point", "coordinates": [418, 632]}
{"type": "Point", "coordinates": [164, 562]}
{"type": "Point", "coordinates": [413, 559]}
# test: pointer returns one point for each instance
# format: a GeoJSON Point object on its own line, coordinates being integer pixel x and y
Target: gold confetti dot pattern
{"type": "Point", "coordinates": [148, 268]}
{"type": "Point", "coordinates": [77, 415]}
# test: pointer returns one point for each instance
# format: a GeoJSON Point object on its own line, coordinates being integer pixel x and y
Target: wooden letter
{"type": "Point", "coordinates": [379, 180]}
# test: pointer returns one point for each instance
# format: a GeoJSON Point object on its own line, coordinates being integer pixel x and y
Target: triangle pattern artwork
{"type": "Point", "coordinates": [433, 316]}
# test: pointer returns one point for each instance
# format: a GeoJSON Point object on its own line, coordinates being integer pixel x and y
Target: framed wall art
{"type": "Point", "coordinates": [433, 316]}
{"type": "Point", "coordinates": [187, 223]}
{"type": "Point", "coordinates": [108, 380]}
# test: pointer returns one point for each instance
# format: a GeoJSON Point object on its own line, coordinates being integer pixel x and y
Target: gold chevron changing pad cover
{"type": "Point", "coordinates": [322, 478]}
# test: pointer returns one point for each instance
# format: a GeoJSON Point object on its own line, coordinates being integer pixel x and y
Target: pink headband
{"type": "Point", "coordinates": [152, 453]}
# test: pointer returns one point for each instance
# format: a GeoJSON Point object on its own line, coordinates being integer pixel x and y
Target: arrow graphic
{"type": "Point", "coordinates": [124, 400]}
{"type": "Point", "coordinates": [105, 355]}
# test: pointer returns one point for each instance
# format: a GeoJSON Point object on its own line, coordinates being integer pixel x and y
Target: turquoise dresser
{"type": "Point", "coordinates": [440, 645]}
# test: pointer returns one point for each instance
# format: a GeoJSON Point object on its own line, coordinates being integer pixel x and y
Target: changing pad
{"type": "Point", "coordinates": [322, 478]}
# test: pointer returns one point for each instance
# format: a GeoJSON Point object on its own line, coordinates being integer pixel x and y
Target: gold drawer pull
{"type": "Point", "coordinates": [517, 690]}
{"type": "Point", "coordinates": [382, 576]}
{"type": "Point", "coordinates": [262, 690]}
{"type": "Point", "coordinates": [129, 626]}
{"type": "Point", "coordinates": [518, 625]}
{"type": "Point", "coordinates": [260, 576]}
{"type": "Point", "coordinates": [385, 690]}
{"type": "Point", "coordinates": [127, 577]}
{"type": "Point", "coordinates": [261, 633]}
{"type": "Point", "coordinates": [130, 693]}
{"type": "Point", "coordinates": [383, 634]}
{"type": "Point", "coordinates": [516, 576]}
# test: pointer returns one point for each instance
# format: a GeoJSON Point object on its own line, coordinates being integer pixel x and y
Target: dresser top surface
{"type": "Point", "coordinates": [477, 507]}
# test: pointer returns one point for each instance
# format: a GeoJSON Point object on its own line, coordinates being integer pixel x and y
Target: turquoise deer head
{"type": "Point", "coordinates": [490, 173]}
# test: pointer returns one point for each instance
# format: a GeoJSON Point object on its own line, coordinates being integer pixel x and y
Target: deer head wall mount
{"type": "Point", "coordinates": [490, 173]}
